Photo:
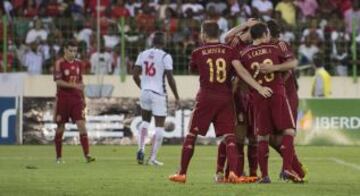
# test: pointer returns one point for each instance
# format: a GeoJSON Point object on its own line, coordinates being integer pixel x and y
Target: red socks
{"type": "Point", "coordinates": [84, 143]}
{"type": "Point", "coordinates": [287, 151]}
{"type": "Point", "coordinates": [297, 167]}
{"type": "Point", "coordinates": [252, 159]}
{"type": "Point", "coordinates": [231, 152]}
{"type": "Point", "coordinates": [58, 143]}
{"type": "Point", "coordinates": [221, 157]}
{"type": "Point", "coordinates": [263, 156]}
{"type": "Point", "coordinates": [187, 153]}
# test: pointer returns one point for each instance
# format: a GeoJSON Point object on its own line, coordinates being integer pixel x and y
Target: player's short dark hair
{"type": "Point", "coordinates": [258, 30]}
{"type": "Point", "coordinates": [274, 28]}
{"type": "Point", "coordinates": [159, 39]}
{"type": "Point", "coordinates": [70, 43]}
{"type": "Point", "coordinates": [211, 29]}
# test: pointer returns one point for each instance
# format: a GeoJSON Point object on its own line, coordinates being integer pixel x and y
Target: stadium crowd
{"type": "Point", "coordinates": [36, 29]}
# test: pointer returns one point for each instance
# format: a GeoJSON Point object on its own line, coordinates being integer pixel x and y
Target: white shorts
{"type": "Point", "coordinates": [153, 102]}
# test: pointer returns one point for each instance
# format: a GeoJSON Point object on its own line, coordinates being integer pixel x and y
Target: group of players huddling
{"type": "Point", "coordinates": [247, 90]}
{"type": "Point", "coordinates": [263, 110]}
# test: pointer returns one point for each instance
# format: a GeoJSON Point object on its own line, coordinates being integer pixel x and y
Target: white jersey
{"type": "Point", "coordinates": [154, 62]}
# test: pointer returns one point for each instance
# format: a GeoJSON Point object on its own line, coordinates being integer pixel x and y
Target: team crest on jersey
{"type": "Point", "coordinates": [72, 67]}
{"type": "Point", "coordinates": [67, 72]}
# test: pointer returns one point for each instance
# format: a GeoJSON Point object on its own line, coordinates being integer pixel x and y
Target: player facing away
{"type": "Point", "coordinates": [70, 100]}
{"type": "Point", "coordinates": [239, 38]}
{"type": "Point", "coordinates": [290, 88]}
{"type": "Point", "coordinates": [215, 63]}
{"type": "Point", "coordinates": [153, 65]}
{"type": "Point", "coordinates": [273, 114]}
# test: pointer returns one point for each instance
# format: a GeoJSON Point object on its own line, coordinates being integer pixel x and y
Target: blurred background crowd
{"type": "Point", "coordinates": [33, 31]}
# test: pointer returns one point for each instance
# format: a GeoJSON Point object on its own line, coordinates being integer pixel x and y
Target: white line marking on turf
{"type": "Point", "coordinates": [122, 158]}
{"type": "Point", "coordinates": [342, 162]}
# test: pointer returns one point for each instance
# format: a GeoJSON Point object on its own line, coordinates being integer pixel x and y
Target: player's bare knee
{"type": "Point", "coordinates": [290, 132]}
{"type": "Point", "coordinates": [81, 126]}
{"type": "Point", "coordinates": [60, 128]}
{"type": "Point", "coordinates": [263, 138]}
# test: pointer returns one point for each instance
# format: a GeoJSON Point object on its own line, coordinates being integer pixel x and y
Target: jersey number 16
{"type": "Point", "coordinates": [149, 69]}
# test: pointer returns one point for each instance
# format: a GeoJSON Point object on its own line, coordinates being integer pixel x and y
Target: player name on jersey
{"type": "Point", "coordinates": [208, 51]}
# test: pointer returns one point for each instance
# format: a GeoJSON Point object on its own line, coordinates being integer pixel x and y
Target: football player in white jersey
{"type": "Point", "coordinates": [151, 67]}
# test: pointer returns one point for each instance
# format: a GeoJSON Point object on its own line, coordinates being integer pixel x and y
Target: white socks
{"type": "Point", "coordinates": [143, 132]}
{"type": "Point", "coordinates": [156, 142]}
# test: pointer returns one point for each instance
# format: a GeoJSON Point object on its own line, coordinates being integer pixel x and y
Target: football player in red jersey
{"type": "Point", "coordinates": [272, 114]}
{"type": "Point", "coordinates": [291, 91]}
{"type": "Point", "coordinates": [215, 63]}
{"type": "Point", "coordinates": [239, 38]}
{"type": "Point", "coordinates": [70, 102]}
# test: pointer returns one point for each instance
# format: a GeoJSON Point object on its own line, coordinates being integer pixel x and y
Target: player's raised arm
{"type": "Point", "coordinates": [245, 75]}
{"type": "Point", "coordinates": [239, 29]}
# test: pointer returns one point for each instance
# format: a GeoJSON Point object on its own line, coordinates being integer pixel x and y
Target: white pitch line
{"type": "Point", "coordinates": [342, 162]}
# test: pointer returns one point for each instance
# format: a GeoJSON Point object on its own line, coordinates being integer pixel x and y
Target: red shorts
{"type": "Point", "coordinates": [244, 111]}
{"type": "Point", "coordinates": [272, 114]}
{"type": "Point", "coordinates": [68, 107]}
{"type": "Point", "coordinates": [216, 109]}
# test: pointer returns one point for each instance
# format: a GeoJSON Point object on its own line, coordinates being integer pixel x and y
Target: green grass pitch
{"type": "Point", "coordinates": [31, 170]}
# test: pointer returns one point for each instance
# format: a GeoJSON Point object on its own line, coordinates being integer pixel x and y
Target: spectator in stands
{"type": "Point", "coordinates": [101, 61]}
{"type": "Point", "coordinates": [340, 55]}
{"type": "Point", "coordinates": [103, 9]}
{"type": "Point", "coordinates": [307, 8]}
{"type": "Point", "coordinates": [196, 8]}
{"type": "Point", "coordinates": [171, 22]}
{"type": "Point", "coordinates": [8, 8]}
{"type": "Point", "coordinates": [287, 10]}
{"type": "Point", "coordinates": [54, 8]}
{"type": "Point", "coordinates": [21, 24]}
{"type": "Point", "coordinates": [314, 32]}
{"type": "Point", "coordinates": [20, 49]}
{"type": "Point", "coordinates": [353, 14]}
{"type": "Point", "coordinates": [112, 38]}
{"type": "Point", "coordinates": [33, 60]}
{"type": "Point", "coordinates": [189, 27]}
{"type": "Point", "coordinates": [307, 51]}
{"type": "Point", "coordinates": [75, 9]}
{"type": "Point", "coordinates": [132, 6]}
{"type": "Point", "coordinates": [84, 34]}
{"type": "Point", "coordinates": [117, 62]}
{"type": "Point", "coordinates": [31, 8]}
{"type": "Point", "coordinates": [145, 20]}
{"type": "Point", "coordinates": [38, 33]}
{"type": "Point", "coordinates": [287, 34]}
{"type": "Point", "coordinates": [322, 80]}
{"type": "Point", "coordinates": [240, 11]}
{"type": "Point", "coordinates": [263, 8]}
{"type": "Point", "coordinates": [220, 6]}
{"type": "Point", "coordinates": [164, 5]}
{"type": "Point", "coordinates": [119, 10]}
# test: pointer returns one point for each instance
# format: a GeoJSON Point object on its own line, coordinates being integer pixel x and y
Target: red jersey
{"type": "Point", "coordinates": [253, 56]}
{"type": "Point", "coordinates": [68, 72]}
{"type": "Point", "coordinates": [289, 77]}
{"type": "Point", "coordinates": [213, 62]}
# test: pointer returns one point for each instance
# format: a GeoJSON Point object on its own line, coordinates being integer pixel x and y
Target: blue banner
{"type": "Point", "coordinates": [8, 120]}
